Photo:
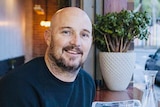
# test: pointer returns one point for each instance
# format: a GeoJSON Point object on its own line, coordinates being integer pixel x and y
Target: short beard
{"type": "Point", "coordinates": [61, 61]}
{"type": "Point", "coordinates": [62, 64]}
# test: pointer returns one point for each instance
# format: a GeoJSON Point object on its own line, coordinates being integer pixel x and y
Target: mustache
{"type": "Point", "coordinates": [73, 47]}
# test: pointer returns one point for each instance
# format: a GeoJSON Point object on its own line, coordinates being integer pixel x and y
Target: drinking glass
{"type": "Point", "coordinates": [149, 98]}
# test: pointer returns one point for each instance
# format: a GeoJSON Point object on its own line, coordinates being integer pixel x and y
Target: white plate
{"type": "Point", "coordinates": [125, 103]}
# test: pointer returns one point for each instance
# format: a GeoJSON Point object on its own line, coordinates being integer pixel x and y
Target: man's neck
{"type": "Point", "coordinates": [58, 73]}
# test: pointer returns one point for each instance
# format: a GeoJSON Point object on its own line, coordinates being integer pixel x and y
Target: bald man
{"type": "Point", "coordinates": [57, 79]}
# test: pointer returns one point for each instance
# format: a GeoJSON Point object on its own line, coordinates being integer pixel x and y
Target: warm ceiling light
{"type": "Point", "coordinates": [37, 8]}
{"type": "Point", "coordinates": [45, 23]}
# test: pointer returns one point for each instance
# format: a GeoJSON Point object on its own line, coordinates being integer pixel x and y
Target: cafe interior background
{"type": "Point", "coordinates": [22, 28]}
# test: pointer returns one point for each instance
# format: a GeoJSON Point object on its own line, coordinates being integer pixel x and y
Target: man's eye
{"type": "Point", "coordinates": [66, 32]}
{"type": "Point", "coordinates": [85, 35]}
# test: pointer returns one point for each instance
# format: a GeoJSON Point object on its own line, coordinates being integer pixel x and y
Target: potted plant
{"type": "Point", "coordinates": [113, 33]}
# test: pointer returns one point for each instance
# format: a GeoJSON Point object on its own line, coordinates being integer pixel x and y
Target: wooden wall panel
{"type": "Point", "coordinates": [39, 45]}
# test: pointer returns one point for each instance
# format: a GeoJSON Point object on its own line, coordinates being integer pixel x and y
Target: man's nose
{"type": "Point", "coordinates": [76, 40]}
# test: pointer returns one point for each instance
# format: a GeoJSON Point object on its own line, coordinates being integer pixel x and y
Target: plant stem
{"type": "Point", "coordinates": [107, 44]}
{"type": "Point", "coordinates": [121, 45]}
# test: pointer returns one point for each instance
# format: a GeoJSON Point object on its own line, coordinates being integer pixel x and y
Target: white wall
{"type": "Point", "coordinates": [11, 29]}
{"type": "Point", "coordinates": [89, 66]}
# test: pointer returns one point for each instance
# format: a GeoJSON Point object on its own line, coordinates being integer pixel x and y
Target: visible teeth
{"type": "Point", "coordinates": [74, 52]}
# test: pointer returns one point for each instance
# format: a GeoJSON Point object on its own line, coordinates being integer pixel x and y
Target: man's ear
{"type": "Point", "coordinates": [47, 37]}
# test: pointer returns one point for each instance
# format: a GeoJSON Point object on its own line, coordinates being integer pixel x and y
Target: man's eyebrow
{"type": "Point", "coordinates": [86, 30]}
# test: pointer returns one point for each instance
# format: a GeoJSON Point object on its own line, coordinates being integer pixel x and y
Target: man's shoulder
{"type": "Point", "coordinates": [34, 61]}
{"type": "Point", "coordinates": [33, 64]}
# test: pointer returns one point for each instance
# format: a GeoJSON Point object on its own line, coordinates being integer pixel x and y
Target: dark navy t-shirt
{"type": "Point", "coordinates": [32, 85]}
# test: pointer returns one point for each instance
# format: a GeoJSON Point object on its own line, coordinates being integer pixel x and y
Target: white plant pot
{"type": "Point", "coordinates": [117, 69]}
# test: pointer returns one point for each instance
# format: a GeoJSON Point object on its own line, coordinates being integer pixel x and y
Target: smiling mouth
{"type": "Point", "coordinates": [73, 50]}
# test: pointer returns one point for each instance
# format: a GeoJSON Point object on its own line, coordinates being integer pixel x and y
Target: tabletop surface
{"type": "Point", "coordinates": [128, 94]}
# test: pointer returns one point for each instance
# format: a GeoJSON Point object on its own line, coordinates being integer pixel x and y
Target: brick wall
{"type": "Point", "coordinates": [39, 45]}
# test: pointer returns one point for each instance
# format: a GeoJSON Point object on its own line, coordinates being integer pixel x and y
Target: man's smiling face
{"type": "Point", "coordinates": [71, 39]}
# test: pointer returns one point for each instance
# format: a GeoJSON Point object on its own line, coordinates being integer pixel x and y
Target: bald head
{"type": "Point", "coordinates": [73, 14]}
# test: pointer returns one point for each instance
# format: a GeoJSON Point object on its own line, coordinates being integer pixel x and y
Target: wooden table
{"type": "Point", "coordinates": [128, 94]}
{"type": "Point", "coordinates": [107, 95]}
